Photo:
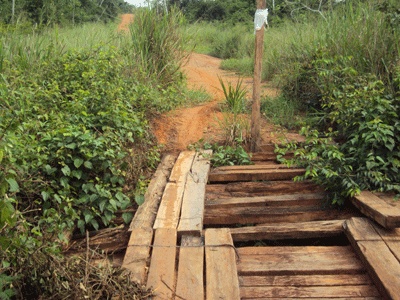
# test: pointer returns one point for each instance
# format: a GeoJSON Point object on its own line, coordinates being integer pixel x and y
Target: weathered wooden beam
{"type": "Point", "coordinates": [256, 173]}
{"type": "Point", "coordinates": [147, 212]}
{"type": "Point", "coordinates": [162, 266]}
{"type": "Point", "coordinates": [190, 282]}
{"type": "Point", "coordinates": [379, 260]}
{"type": "Point", "coordinates": [192, 214]}
{"type": "Point", "coordinates": [171, 202]}
{"type": "Point", "coordinates": [306, 280]}
{"type": "Point", "coordinates": [267, 201]}
{"type": "Point", "coordinates": [298, 261]}
{"type": "Point", "coordinates": [221, 274]}
{"type": "Point", "coordinates": [281, 231]}
{"type": "Point", "coordinates": [379, 210]}
{"type": "Point", "coordinates": [137, 254]}
{"type": "Point", "coordinates": [245, 215]}
{"type": "Point", "coordinates": [265, 188]}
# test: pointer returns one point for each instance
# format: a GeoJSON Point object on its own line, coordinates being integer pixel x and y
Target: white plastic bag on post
{"type": "Point", "coordinates": [260, 18]}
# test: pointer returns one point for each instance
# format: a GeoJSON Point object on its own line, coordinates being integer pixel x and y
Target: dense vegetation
{"type": "Point", "coordinates": [338, 63]}
{"type": "Point", "coordinates": [44, 12]}
{"type": "Point", "coordinates": [75, 144]}
{"type": "Point", "coordinates": [75, 103]}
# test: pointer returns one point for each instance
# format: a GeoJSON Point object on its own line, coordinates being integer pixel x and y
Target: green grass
{"type": "Point", "coordinates": [282, 111]}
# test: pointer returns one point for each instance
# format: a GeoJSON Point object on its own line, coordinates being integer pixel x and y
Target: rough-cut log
{"type": "Point", "coordinates": [298, 261]}
{"type": "Point", "coordinates": [256, 173]}
{"type": "Point", "coordinates": [388, 215]}
{"type": "Point", "coordinates": [147, 212]}
{"type": "Point", "coordinates": [270, 215]}
{"type": "Point", "coordinates": [267, 201]}
{"type": "Point", "coordinates": [383, 266]}
{"type": "Point", "coordinates": [306, 280]}
{"type": "Point", "coordinates": [301, 230]}
{"type": "Point", "coordinates": [109, 240]}
{"type": "Point", "coordinates": [254, 189]}
{"type": "Point", "coordinates": [262, 156]}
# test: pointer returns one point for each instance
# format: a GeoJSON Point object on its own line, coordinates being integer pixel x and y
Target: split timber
{"type": "Point", "coordinates": [195, 236]}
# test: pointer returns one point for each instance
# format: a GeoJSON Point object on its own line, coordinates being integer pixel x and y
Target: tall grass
{"type": "Point", "coordinates": [353, 29]}
{"type": "Point", "coordinates": [25, 49]}
{"type": "Point", "coordinates": [158, 45]}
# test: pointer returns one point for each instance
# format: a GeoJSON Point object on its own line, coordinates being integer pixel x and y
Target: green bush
{"type": "Point", "coordinates": [359, 148]}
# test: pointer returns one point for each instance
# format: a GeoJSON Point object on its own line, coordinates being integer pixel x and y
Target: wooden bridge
{"type": "Point", "coordinates": [251, 232]}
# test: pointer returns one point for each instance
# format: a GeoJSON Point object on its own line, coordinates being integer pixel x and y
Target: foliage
{"type": "Point", "coordinates": [62, 11]}
{"type": "Point", "coordinates": [72, 129]}
{"type": "Point", "coordinates": [234, 96]}
{"type": "Point", "coordinates": [158, 45]}
{"type": "Point", "coordinates": [281, 111]}
{"type": "Point", "coordinates": [229, 156]}
{"type": "Point", "coordinates": [224, 155]}
{"type": "Point", "coordinates": [360, 148]}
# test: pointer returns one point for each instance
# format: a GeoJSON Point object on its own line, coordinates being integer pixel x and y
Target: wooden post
{"type": "Point", "coordinates": [255, 109]}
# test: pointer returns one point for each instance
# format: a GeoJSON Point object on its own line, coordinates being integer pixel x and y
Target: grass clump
{"type": "Point", "coordinates": [158, 46]}
{"type": "Point", "coordinates": [234, 96]}
{"type": "Point", "coordinates": [282, 111]}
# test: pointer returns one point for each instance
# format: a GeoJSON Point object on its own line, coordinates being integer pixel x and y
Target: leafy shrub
{"type": "Point", "coordinates": [74, 124]}
{"type": "Point", "coordinates": [229, 156]}
{"type": "Point", "coordinates": [360, 147]}
{"type": "Point", "coordinates": [224, 155]}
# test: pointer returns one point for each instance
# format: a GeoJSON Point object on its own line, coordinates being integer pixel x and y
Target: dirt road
{"type": "Point", "coordinates": [181, 127]}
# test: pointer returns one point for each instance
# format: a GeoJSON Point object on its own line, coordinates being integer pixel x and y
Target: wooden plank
{"type": "Point", "coordinates": [182, 166]}
{"type": "Point", "coordinates": [258, 174]}
{"type": "Point", "coordinates": [267, 167]}
{"type": "Point", "coordinates": [392, 239]}
{"type": "Point", "coordinates": [382, 212]}
{"type": "Point", "coordinates": [271, 156]}
{"type": "Point", "coordinates": [192, 214]}
{"type": "Point", "coordinates": [301, 230]}
{"type": "Point", "coordinates": [190, 284]}
{"type": "Point", "coordinates": [296, 261]}
{"type": "Point", "coordinates": [270, 292]}
{"type": "Point", "coordinates": [306, 280]}
{"type": "Point", "coordinates": [221, 273]}
{"type": "Point", "coordinates": [253, 189]}
{"type": "Point", "coordinates": [138, 253]}
{"type": "Point", "coordinates": [361, 229]}
{"type": "Point", "coordinates": [171, 202]}
{"type": "Point", "coordinates": [252, 215]}
{"type": "Point", "coordinates": [383, 267]}
{"type": "Point", "coordinates": [147, 212]}
{"type": "Point", "coordinates": [379, 260]}
{"type": "Point", "coordinates": [274, 200]}
{"type": "Point", "coordinates": [162, 266]}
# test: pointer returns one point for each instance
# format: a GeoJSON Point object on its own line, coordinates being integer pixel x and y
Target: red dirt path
{"type": "Point", "coordinates": [181, 127]}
